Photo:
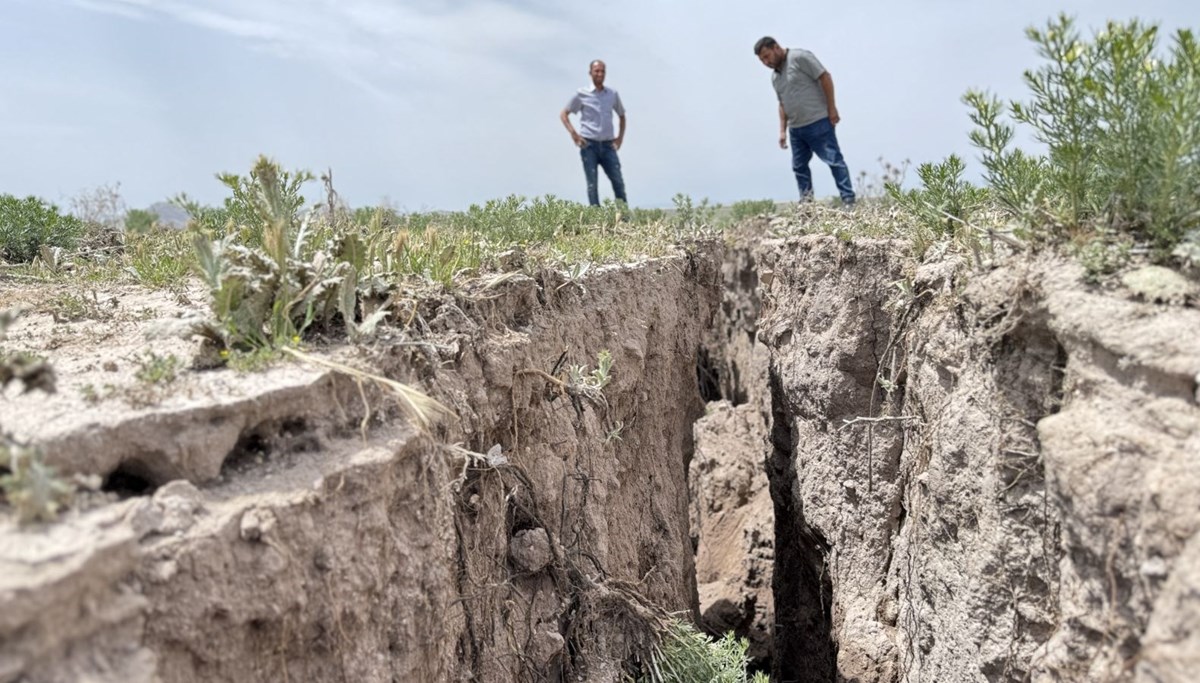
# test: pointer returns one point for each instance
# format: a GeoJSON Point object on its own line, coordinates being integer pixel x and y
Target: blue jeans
{"type": "Point", "coordinates": [601, 153]}
{"type": "Point", "coordinates": [819, 138]}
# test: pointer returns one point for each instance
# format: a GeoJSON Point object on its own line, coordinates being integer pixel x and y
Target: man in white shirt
{"type": "Point", "coordinates": [597, 144]}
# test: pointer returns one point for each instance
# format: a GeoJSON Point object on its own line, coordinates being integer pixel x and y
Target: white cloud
{"type": "Point", "coordinates": [370, 43]}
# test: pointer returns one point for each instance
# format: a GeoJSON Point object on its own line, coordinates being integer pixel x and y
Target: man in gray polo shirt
{"type": "Point", "coordinates": [597, 144]}
{"type": "Point", "coordinates": [807, 114]}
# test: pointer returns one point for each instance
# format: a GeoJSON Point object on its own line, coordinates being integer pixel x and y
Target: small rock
{"type": "Point", "coordinates": [1159, 284]}
{"type": "Point", "coordinates": [179, 501]}
{"type": "Point", "coordinates": [513, 259]}
{"type": "Point", "coordinates": [256, 524]}
{"type": "Point", "coordinates": [163, 572]}
{"type": "Point", "coordinates": [545, 645]}
{"type": "Point", "coordinates": [146, 517]}
{"type": "Point", "coordinates": [1155, 567]}
{"type": "Point", "coordinates": [530, 549]}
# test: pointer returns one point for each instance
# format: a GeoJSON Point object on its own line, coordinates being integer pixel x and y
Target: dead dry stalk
{"type": "Point", "coordinates": [424, 410]}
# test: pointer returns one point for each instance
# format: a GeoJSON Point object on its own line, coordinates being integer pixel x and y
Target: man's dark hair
{"type": "Point", "coordinates": [764, 43]}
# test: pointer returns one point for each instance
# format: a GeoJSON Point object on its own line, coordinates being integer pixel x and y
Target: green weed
{"type": "Point", "coordinates": [1118, 119]}
{"type": "Point", "coordinates": [690, 217]}
{"type": "Point", "coordinates": [33, 488]}
{"type": "Point", "coordinates": [140, 221]}
{"type": "Point", "coordinates": [69, 307]}
{"type": "Point", "coordinates": [160, 257]}
{"type": "Point", "coordinates": [26, 225]}
{"type": "Point", "coordinates": [740, 211]}
{"type": "Point", "coordinates": [156, 369]}
{"type": "Point", "coordinates": [685, 655]}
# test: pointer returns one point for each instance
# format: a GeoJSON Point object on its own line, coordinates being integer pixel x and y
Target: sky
{"type": "Point", "coordinates": [425, 104]}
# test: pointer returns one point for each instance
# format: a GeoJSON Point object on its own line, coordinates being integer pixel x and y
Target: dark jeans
{"type": "Point", "coordinates": [819, 138]}
{"type": "Point", "coordinates": [597, 153]}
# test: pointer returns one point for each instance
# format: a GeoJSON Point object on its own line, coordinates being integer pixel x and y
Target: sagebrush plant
{"type": "Point", "coordinates": [945, 206]}
{"type": "Point", "coordinates": [684, 655]}
{"type": "Point", "coordinates": [26, 225]}
{"type": "Point", "coordinates": [692, 217]}
{"type": "Point", "coordinates": [1118, 118]}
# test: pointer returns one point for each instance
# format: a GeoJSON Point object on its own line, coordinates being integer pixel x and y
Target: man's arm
{"type": "Point", "coordinates": [620, 133]}
{"type": "Point", "coordinates": [826, 82]}
{"type": "Point", "coordinates": [782, 127]}
{"type": "Point", "coordinates": [566, 121]}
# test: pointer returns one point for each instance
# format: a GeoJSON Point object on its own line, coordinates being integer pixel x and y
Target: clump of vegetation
{"type": "Point", "coordinates": [1102, 256]}
{"type": "Point", "coordinates": [140, 221]}
{"type": "Point", "coordinates": [693, 217]}
{"type": "Point", "coordinates": [156, 369]}
{"type": "Point", "coordinates": [31, 371]}
{"type": "Point", "coordinates": [1117, 118]}
{"type": "Point", "coordinates": [27, 225]}
{"type": "Point", "coordinates": [33, 488]}
{"type": "Point", "coordinates": [1158, 284]}
{"type": "Point", "coordinates": [684, 655]}
{"type": "Point", "coordinates": [580, 383]}
{"type": "Point", "coordinates": [945, 206]}
{"type": "Point", "coordinates": [160, 257]}
{"type": "Point", "coordinates": [30, 486]}
{"type": "Point", "coordinates": [265, 293]}
{"type": "Point", "coordinates": [276, 275]}
{"type": "Point", "coordinates": [740, 211]}
{"type": "Point", "coordinates": [73, 307]}
{"type": "Point", "coordinates": [1119, 122]}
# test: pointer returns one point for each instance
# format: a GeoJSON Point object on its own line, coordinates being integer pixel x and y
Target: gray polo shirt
{"type": "Point", "coordinates": [595, 109]}
{"type": "Point", "coordinates": [799, 91]}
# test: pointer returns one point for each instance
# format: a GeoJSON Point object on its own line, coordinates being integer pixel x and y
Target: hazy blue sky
{"type": "Point", "coordinates": [442, 104]}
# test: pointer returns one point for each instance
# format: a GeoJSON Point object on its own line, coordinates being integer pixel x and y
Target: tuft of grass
{"type": "Point", "coordinates": [159, 257]}
{"type": "Point", "coordinates": [158, 370]}
{"type": "Point", "coordinates": [684, 655]}
{"type": "Point", "coordinates": [741, 210]}
{"type": "Point", "coordinates": [70, 307]}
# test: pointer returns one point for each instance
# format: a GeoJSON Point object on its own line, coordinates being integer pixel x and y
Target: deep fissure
{"type": "Point", "coordinates": [804, 647]}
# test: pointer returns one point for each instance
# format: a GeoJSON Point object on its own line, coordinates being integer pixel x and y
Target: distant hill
{"type": "Point", "coordinates": [169, 215]}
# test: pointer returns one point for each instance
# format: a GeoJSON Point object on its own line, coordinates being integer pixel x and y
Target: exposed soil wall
{"type": "Point", "coordinates": [299, 547]}
{"type": "Point", "coordinates": [976, 476]}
